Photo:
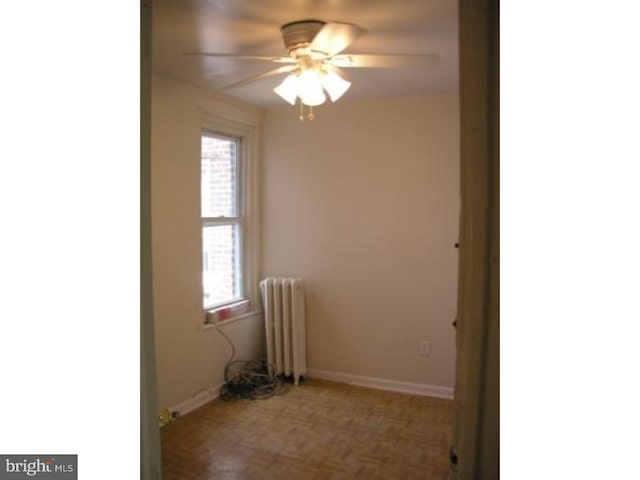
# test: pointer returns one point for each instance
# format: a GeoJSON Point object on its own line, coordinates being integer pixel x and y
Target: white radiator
{"type": "Point", "coordinates": [284, 319]}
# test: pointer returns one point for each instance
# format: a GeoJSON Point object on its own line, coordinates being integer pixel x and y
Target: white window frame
{"type": "Point", "coordinates": [248, 212]}
{"type": "Point", "coordinates": [238, 219]}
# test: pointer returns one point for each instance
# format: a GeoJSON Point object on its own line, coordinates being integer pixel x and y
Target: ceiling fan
{"type": "Point", "coordinates": [315, 61]}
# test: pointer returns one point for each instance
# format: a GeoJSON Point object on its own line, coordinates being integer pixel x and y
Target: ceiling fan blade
{"type": "Point", "coordinates": [335, 37]}
{"type": "Point", "coordinates": [384, 60]}
{"type": "Point", "coordinates": [344, 74]}
{"type": "Point", "coordinates": [242, 57]}
{"type": "Point", "coordinates": [277, 71]}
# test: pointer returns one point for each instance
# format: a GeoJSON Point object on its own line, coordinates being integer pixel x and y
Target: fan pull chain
{"type": "Point", "coordinates": [310, 115]}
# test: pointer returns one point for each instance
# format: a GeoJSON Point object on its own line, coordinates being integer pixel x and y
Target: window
{"type": "Point", "coordinates": [230, 215]}
{"type": "Point", "coordinates": [222, 211]}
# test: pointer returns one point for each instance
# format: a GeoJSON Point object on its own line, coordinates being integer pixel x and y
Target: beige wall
{"type": "Point", "coordinates": [363, 203]}
{"type": "Point", "coordinates": [188, 358]}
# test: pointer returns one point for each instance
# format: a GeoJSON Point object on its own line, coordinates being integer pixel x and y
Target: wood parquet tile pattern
{"type": "Point", "coordinates": [318, 430]}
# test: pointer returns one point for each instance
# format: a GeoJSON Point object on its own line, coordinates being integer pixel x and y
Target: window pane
{"type": "Point", "coordinates": [219, 176]}
{"type": "Point", "coordinates": [221, 264]}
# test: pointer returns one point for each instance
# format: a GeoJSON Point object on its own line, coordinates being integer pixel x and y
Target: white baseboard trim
{"type": "Point", "coordinates": [384, 384]}
{"type": "Point", "coordinates": [197, 400]}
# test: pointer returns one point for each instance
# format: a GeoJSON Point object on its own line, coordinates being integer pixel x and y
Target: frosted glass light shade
{"type": "Point", "coordinates": [310, 88]}
{"type": "Point", "coordinates": [335, 85]}
{"type": "Point", "coordinates": [288, 89]}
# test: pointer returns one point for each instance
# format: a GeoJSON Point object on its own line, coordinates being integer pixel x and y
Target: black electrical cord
{"type": "Point", "coordinates": [249, 379]}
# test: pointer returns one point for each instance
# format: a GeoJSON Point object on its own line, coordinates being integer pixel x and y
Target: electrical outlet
{"type": "Point", "coordinates": [425, 348]}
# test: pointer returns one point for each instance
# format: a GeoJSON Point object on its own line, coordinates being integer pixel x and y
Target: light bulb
{"type": "Point", "coordinates": [288, 89]}
{"type": "Point", "coordinates": [335, 85]}
{"type": "Point", "coordinates": [310, 88]}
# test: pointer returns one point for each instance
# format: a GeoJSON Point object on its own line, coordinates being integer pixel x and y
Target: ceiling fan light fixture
{"type": "Point", "coordinates": [288, 89]}
{"type": "Point", "coordinates": [310, 88]}
{"type": "Point", "coordinates": [335, 85]}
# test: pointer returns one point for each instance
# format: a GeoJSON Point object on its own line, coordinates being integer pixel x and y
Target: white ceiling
{"type": "Point", "coordinates": [252, 27]}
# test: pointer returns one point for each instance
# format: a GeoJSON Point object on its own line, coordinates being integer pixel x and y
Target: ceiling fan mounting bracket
{"type": "Point", "coordinates": [300, 34]}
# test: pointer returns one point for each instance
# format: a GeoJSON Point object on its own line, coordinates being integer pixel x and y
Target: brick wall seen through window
{"type": "Point", "coordinates": [221, 232]}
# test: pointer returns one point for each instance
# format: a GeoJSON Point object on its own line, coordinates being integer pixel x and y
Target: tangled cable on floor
{"type": "Point", "coordinates": [249, 379]}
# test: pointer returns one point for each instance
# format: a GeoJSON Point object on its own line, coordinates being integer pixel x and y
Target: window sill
{"type": "Point", "coordinates": [209, 325]}
{"type": "Point", "coordinates": [228, 310]}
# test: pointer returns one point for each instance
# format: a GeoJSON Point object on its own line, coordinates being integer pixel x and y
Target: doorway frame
{"type": "Point", "coordinates": [476, 436]}
{"type": "Point", "coordinates": [476, 425]}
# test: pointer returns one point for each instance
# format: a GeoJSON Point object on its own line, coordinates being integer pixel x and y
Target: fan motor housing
{"type": "Point", "coordinates": [301, 33]}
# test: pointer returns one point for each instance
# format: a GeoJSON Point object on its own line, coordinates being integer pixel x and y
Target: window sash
{"type": "Point", "coordinates": [237, 205]}
{"type": "Point", "coordinates": [238, 220]}
{"type": "Point", "coordinates": [212, 221]}
{"type": "Point", "coordinates": [237, 272]}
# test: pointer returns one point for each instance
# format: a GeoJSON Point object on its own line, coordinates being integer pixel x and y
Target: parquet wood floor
{"type": "Point", "coordinates": [318, 430]}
